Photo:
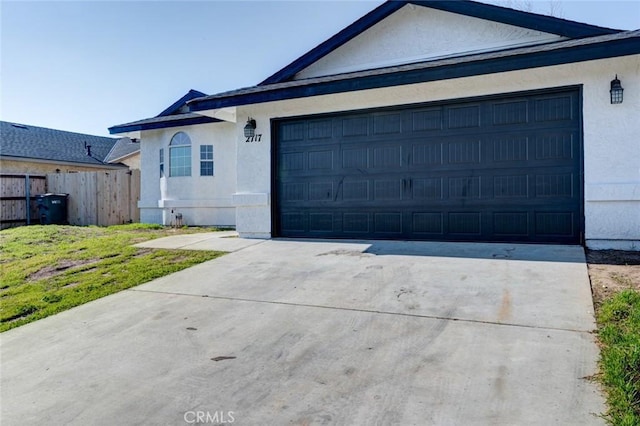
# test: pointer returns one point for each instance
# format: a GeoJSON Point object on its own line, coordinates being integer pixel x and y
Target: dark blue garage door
{"type": "Point", "coordinates": [494, 169]}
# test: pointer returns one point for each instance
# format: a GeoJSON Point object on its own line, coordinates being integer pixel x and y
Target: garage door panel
{"type": "Point", "coordinates": [513, 112]}
{"type": "Point", "coordinates": [428, 223]}
{"type": "Point", "coordinates": [495, 170]}
{"type": "Point", "coordinates": [508, 148]}
{"type": "Point", "coordinates": [293, 131]}
{"type": "Point", "coordinates": [355, 190]}
{"type": "Point", "coordinates": [387, 189]}
{"type": "Point", "coordinates": [551, 146]}
{"type": "Point", "coordinates": [554, 223]}
{"type": "Point", "coordinates": [464, 187]}
{"type": "Point", "coordinates": [558, 185]}
{"type": "Point", "coordinates": [292, 161]}
{"type": "Point", "coordinates": [426, 154]}
{"type": "Point", "coordinates": [463, 152]}
{"type": "Point", "coordinates": [355, 126]}
{"type": "Point", "coordinates": [426, 120]}
{"type": "Point", "coordinates": [387, 157]}
{"type": "Point", "coordinates": [511, 224]}
{"type": "Point", "coordinates": [388, 223]}
{"type": "Point", "coordinates": [387, 124]}
{"type": "Point", "coordinates": [465, 223]}
{"type": "Point", "coordinates": [321, 191]}
{"type": "Point", "coordinates": [555, 108]}
{"type": "Point", "coordinates": [355, 223]}
{"type": "Point", "coordinates": [293, 222]}
{"type": "Point", "coordinates": [463, 117]}
{"type": "Point", "coordinates": [320, 160]}
{"type": "Point", "coordinates": [510, 186]}
{"type": "Point", "coordinates": [430, 188]}
{"type": "Point", "coordinates": [355, 158]}
{"type": "Point", "coordinates": [321, 222]}
{"type": "Point", "coordinates": [318, 130]}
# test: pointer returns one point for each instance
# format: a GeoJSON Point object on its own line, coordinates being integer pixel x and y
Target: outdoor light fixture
{"type": "Point", "coordinates": [250, 128]}
{"type": "Point", "coordinates": [616, 91]}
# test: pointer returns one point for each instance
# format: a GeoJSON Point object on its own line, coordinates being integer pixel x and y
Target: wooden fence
{"type": "Point", "coordinates": [95, 198]}
{"type": "Point", "coordinates": [17, 191]}
{"type": "Point", "coordinates": [99, 198]}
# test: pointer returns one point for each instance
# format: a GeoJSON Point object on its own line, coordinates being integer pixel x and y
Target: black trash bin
{"type": "Point", "coordinates": [52, 209]}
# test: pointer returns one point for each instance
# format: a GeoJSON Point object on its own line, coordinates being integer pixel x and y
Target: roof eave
{"type": "Point", "coordinates": [136, 126]}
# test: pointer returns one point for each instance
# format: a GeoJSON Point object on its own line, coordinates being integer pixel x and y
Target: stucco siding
{"type": "Point", "coordinates": [133, 161]}
{"type": "Point", "coordinates": [201, 200]}
{"type": "Point", "coordinates": [416, 33]}
{"type": "Point", "coordinates": [611, 145]}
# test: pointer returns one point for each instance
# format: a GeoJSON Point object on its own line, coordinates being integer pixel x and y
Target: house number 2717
{"type": "Point", "coordinates": [255, 138]}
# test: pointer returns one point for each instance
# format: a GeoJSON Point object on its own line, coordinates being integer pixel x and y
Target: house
{"type": "Point", "coordinates": [31, 149]}
{"type": "Point", "coordinates": [426, 120]}
{"type": "Point", "coordinates": [125, 151]}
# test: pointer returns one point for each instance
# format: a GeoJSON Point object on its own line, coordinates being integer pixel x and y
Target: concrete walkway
{"type": "Point", "coordinates": [216, 241]}
{"type": "Point", "coordinates": [351, 333]}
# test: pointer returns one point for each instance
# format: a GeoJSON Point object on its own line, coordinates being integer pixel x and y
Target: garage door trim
{"type": "Point", "coordinates": [576, 89]}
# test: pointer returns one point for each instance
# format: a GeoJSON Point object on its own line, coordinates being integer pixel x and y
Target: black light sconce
{"type": "Point", "coordinates": [616, 91]}
{"type": "Point", "coordinates": [250, 128]}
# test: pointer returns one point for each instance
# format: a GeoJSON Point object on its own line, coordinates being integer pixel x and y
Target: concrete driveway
{"type": "Point", "coordinates": [309, 332]}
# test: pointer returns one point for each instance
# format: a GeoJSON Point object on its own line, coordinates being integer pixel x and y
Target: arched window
{"type": "Point", "coordinates": [180, 155]}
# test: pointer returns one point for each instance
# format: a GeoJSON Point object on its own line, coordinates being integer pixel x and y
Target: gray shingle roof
{"type": "Point", "coordinates": [25, 141]}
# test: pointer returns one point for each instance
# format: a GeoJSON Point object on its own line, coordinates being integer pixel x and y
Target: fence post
{"type": "Point", "coordinates": [27, 191]}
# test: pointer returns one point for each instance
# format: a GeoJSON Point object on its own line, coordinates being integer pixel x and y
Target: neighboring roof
{"type": "Point", "coordinates": [180, 103]}
{"type": "Point", "coordinates": [599, 47]}
{"type": "Point", "coordinates": [124, 147]}
{"type": "Point", "coordinates": [41, 143]}
{"type": "Point", "coordinates": [533, 21]}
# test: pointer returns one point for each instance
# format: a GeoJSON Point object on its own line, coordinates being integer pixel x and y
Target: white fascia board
{"type": "Point", "coordinates": [433, 56]}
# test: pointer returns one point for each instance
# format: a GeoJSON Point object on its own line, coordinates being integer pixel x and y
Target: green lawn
{"type": "Point", "coordinates": [48, 269]}
{"type": "Point", "coordinates": [619, 332]}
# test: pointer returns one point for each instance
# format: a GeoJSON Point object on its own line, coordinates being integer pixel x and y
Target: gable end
{"type": "Point", "coordinates": [532, 21]}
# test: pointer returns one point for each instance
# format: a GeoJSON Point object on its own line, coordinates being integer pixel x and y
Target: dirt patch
{"type": "Point", "coordinates": [51, 271]}
{"type": "Point", "coordinates": [612, 271]}
{"type": "Point", "coordinates": [143, 252]}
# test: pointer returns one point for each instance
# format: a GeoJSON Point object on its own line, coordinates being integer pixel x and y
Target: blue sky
{"type": "Point", "coordinates": [84, 66]}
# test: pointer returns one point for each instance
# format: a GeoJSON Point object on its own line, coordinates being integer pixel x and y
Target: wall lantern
{"type": "Point", "coordinates": [250, 128]}
{"type": "Point", "coordinates": [616, 91]}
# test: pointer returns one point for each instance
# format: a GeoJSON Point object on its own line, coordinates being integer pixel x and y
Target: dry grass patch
{"type": "Point", "coordinates": [49, 269]}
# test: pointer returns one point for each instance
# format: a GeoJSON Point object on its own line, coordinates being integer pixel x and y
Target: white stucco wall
{"type": "Point", "coordinates": [415, 33]}
{"type": "Point", "coordinates": [611, 140]}
{"type": "Point", "coordinates": [202, 200]}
